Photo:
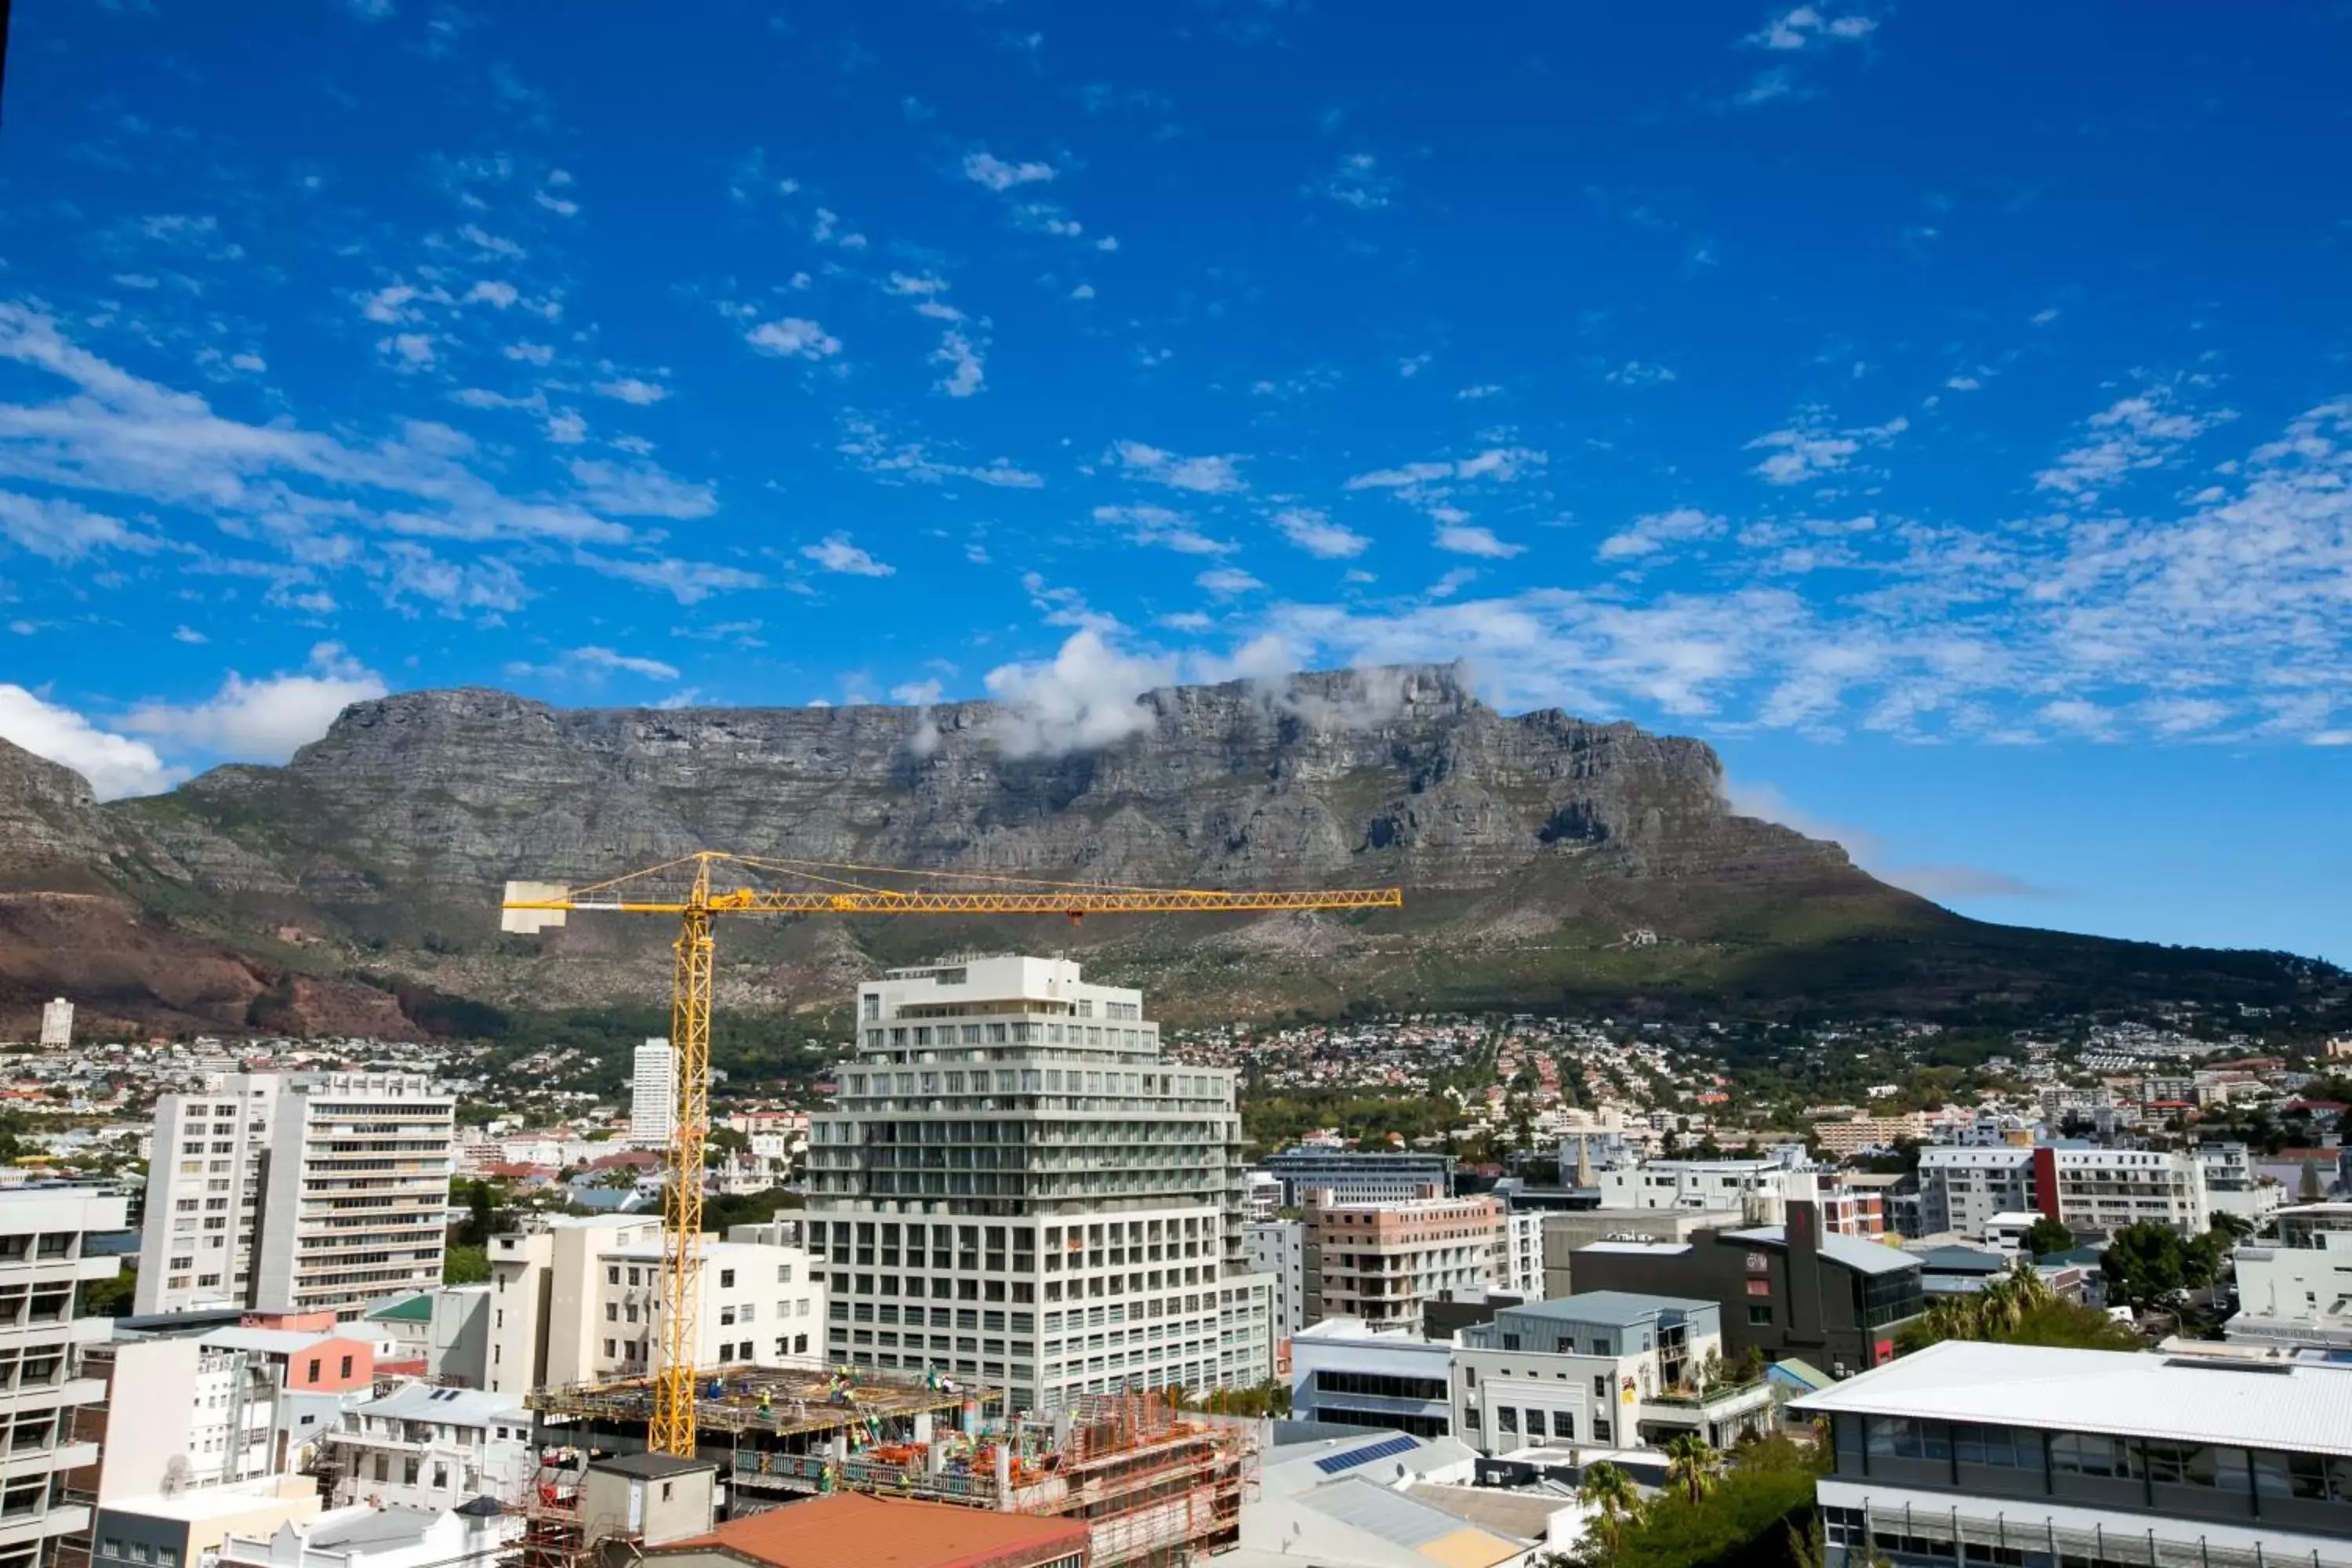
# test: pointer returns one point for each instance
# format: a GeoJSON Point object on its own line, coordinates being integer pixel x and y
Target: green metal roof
{"type": "Point", "coordinates": [408, 1309]}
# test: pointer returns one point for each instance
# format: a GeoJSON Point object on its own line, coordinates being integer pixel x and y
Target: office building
{"type": "Point", "coordinates": [1834, 1300]}
{"type": "Point", "coordinates": [1279, 1249]}
{"type": "Point", "coordinates": [1350, 1372]}
{"type": "Point", "coordinates": [1382, 1261]}
{"type": "Point", "coordinates": [357, 1202]}
{"type": "Point", "coordinates": [296, 1193]}
{"type": "Point", "coordinates": [1987, 1453]}
{"type": "Point", "coordinates": [1354, 1177]}
{"type": "Point", "coordinates": [45, 1258]}
{"type": "Point", "coordinates": [652, 1096]}
{"type": "Point", "coordinates": [1013, 1186]}
{"type": "Point", "coordinates": [578, 1300]}
{"type": "Point", "coordinates": [1603, 1370]}
{"type": "Point", "coordinates": [56, 1025]}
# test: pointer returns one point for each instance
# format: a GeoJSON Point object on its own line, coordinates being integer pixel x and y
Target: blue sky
{"type": "Point", "coordinates": [1944, 410]}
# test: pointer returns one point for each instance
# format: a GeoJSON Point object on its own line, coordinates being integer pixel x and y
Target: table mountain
{"type": "Point", "coordinates": [1542, 855]}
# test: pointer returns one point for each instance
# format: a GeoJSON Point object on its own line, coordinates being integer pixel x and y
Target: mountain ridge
{"type": "Point", "coordinates": [1528, 846]}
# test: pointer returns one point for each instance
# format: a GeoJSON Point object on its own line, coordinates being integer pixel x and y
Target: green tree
{"type": "Point", "coordinates": [1690, 1465]}
{"type": "Point", "coordinates": [2020, 1310]}
{"type": "Point", "coordinates": [2148, 1265]}
{"type": "Point", "coordinates": [2048, 1236]}
{"type": "Point", "coordinates": [465, 1266]}
{"type": "Point", "coordinates": [1611, 1491]}
{"type": "Point", "coordinates": [108, 1298]}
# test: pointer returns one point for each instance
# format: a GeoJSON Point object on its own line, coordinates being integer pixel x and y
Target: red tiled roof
{"type": "Point", "coordinates": [848, 1530]}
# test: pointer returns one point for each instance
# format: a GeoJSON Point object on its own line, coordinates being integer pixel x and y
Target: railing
{"type": "Point", "coordinates": [1714, 1394]}
{"type": "Point", "coordinates": [2097, 1544]}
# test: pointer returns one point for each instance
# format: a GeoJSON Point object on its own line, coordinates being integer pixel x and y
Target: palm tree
{"type": "Point", "coordinates": [1690, 1464]}
{"type": "Point", "coordinates": [1610, 1490]}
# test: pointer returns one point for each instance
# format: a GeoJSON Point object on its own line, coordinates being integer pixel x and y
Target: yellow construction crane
{"type": "Point", "coordinates": [841, 888]}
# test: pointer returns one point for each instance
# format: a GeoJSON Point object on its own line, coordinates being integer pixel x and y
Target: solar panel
{"type": "Point", "coordinates": [1332, 1464]}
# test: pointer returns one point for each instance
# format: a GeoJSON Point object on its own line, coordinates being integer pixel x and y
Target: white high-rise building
{"type": "Point", "coordinates": [652, 1096]}
{"type": "Point", "coordinates": [302, 1193]}
{"type": "Point", "coordinates": [56, 1025]}
{"type": "Point", "coordinates": [1013, 1186]}
{"type": "Point", "coordinates": [44, 1258]}
{"type": "Point", "coordinates": [204, 1195]}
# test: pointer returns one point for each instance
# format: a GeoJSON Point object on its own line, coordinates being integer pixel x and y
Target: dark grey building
{"type": "Point", "coordinates": [1786, 1291]}
{"type": "Point", "coordinates": [1358, 1176]}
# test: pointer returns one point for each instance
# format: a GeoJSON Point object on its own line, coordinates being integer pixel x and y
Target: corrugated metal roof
{"type": "Point", "coordinates": [1613, 1309]}
{"type": "Point", "coordinates": [1864, 1257]}
{"type": "Point", "coordinates": [2296, 1407]}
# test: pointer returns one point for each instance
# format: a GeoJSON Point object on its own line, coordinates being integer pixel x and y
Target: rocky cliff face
{"type": "Point", "coordinates": [388, 840]}
{"type": "Point", "coordinates": [419, 806]}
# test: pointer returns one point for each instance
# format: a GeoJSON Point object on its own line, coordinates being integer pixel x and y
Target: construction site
{"type": "Point", "coordinates": [1155, 1488]}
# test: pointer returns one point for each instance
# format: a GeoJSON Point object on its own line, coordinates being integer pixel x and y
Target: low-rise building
{"type": "Point", "coordinates": [430, 1447]}
{"type": "Point", "coordinates": [1563, 1234]}
{"type": "Point", "coordinates": [1836, 1301]}
{"type": "Point", "coordinates": [1603, 1369]}
{"type": "Point", "coordinates": [1353, 1373]}
{"type": "Point", "coordinates": [843, 1530]}
{"type": "Point", "coordinates": [184, 1528]}
{"type": "Point", "coordinates": [2305, 1274]}
{"type": "Point", "coordinates": [1975, 1452]}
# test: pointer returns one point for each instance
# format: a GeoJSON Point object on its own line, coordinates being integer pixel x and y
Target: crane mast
{"type": "Point", "coordinates": [843, 888]}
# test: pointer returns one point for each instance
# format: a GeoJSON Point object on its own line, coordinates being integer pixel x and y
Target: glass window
{"type": "Point", "coordinates": [2079, 1453]}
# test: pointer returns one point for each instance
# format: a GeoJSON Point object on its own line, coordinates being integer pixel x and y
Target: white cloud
{"type": "Point", "coordinates": [688, 582]}
{"type": "Point", "coordinates": [414, 349]}
{"type": "Point", "coordinates": [965, 369]}
{"type": "Point", "coordinates": [1639, 373]}
{"type": "Point", "coordinates": [265, 720]}
{"type": "Point", "coordinates": [2144, 430]}
{"type": "Point", "coordinates": [114, 764]}
{"type": "Point", "coordinates": [1962, 384]}
{"type": "Point", "coordinates": [1501, 464]}
{"type": "Point", "coordinates": [1357, 183]}
{"type": "Point", "coordinates": [492, 292]}
{"type": "Point", "coordinates": [1227, 581]}
{"type": "Point", "coordinates": [987, 169]}
{"type": "Point", "coordinates": [1083, 700]}
{"type": "Point", "coordinates": [1158, 525]}
{"type": "Point", "coordinates": [530, 353]}
{"type": "Point", "coordinates": [1652, 533]}
{"type": "Point", "coordinates": [189, 635]}
{"type": "Point", "coordinates": [605, 658]}
{"type": "Point", "coordinates": [1317, 535]}
{"type": "Point", "coordinates": [62, 531]}
{"type": "Point", "coordinates": [642, 490]}
{"type": "Point", "coordinates": [1187, 621]}
{"type": "Point", "coordinates": [1765, 87]}
{"type": "Point", "coordinates": [1811, 449]}
{"type": "Point", "coordinates": [629, 389]}
{"type": "Point", "coordinates": [567, 428]}
{"type": "Point", "coordinates": [1807, 24]}
{"type": "Point", "coordinates": [1464, 539]}
{"type": "Point", "coordinates": [1210, 476]}
{"type": "Point", "coordinates": [794, 336]}
{"type": "Point", "coordinates": [834, 553]}
{"type": "Point", "coordinates": [927, 693]}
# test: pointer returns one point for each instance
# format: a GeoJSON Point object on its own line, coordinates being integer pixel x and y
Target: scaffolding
{"type": "Point", "coordinates": [1155, 1488]}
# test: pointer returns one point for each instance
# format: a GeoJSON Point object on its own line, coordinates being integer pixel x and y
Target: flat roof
{"type": "Point", "coordinates": [1618, 1309]}
{"type": "Point", "coordinates": [1864, 1257]}
{"type": "Point", "coordinates": [2293, 1405]}
{"type": "Point", "coordinates": [851, 1529]}
{"type": "Point", "coordinates": [653, 1467]}
{"type": "Point", "coordinates": [206, 1502]}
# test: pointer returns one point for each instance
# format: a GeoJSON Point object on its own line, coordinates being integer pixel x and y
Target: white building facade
{"type": "Point", "coordinates": [1277, 1249]}
{"type": "Point", "coordinates": [1521, 1271]}
{"type": "Point", "coordinates": [358, 1197]}
{"type": "Point", "coordinates": [204, 1195]}
{"type": "Point", "coordinates": [1012, 1185]}
{"type": "Point", "coordinates": [433, 1448]}
{"type": "Point", "coordinates": [653, 1095]}
{"type": "Point", "coordinates": [56, 1025]}
{"type": "Point", "coordinates": [45, 1258]}
{"type": "Point", "coordinates": [579, 1299]}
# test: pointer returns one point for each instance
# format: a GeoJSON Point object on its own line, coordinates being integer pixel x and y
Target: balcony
{"type": "Point", "coordinates": [25, 1526]}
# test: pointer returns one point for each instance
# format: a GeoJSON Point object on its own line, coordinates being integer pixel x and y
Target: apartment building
{"type": "Point", "coordinates": [1358, 1176]}
{"type": "Point", "coordinates": [1382, 1262]}
{"type": "Point", "coordinates": [422, 1446]}
{"type": "Point", "coordinates": [2233, 1186]}
{"type": "Point", "coordinates": [1987, 1453]}
{"type": "Point", "coordinates": [2304, 1277]}
{"type": "Point", "coordinates": [653, 1095]}
{"type": "Point", "coordinates": [1012, 1185]}
{"type": "Point", "coordinates": [45, 1257]}
{"type": "Point", "coordinates": [1277, 1249]}
{"type": "Point", "coordinates": [2107, 1189]}
{"type": "Point", "coordinates": [580, 1298]}
{"type": "Point", "coordinates": [295, 1192]}
{"type": "Point", "coordinates": [1760, 1189]}
{"type": "Point", "coordinates": [203, 1196]}
{"type": "Point", "coordinates": [1962, 1189]}
{"type": "Point", "coordinates": [1604, 1369]}
{"type": "Point", "coordinates": [1521, 1271]}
